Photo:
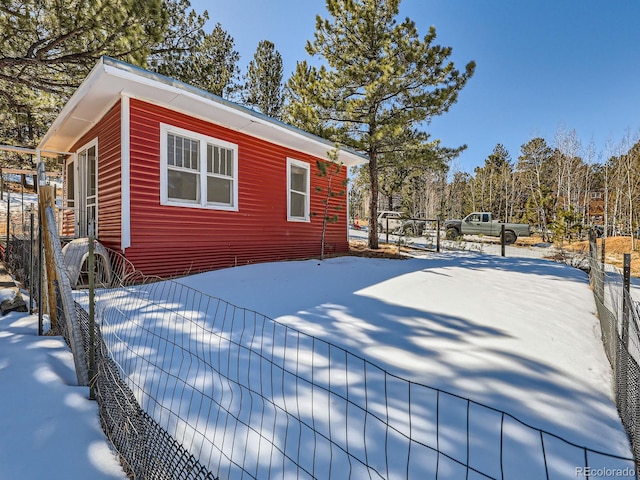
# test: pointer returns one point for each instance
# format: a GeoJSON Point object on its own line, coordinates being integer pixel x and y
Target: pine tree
{"type": "Point", "coordinates": [210, 63]}
{"type": "Point", "coordinates": [184, 35]}
{"type": "Point", "coordinates": [380, 82]}
{"type": "Point", "coordinates": [47, 47]}
{"type": "Point", "coordinates": [263, 81]}
{"type": "Point", "coordinates": [535, 167]}
{"type": "Point", "coordinates": [50, 45]}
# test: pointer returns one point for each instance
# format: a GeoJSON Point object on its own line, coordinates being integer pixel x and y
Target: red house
{"type": "Point", "coordinates": [180, 180]}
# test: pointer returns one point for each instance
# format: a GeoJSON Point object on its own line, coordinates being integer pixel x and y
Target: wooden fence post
{"type": "Point", "coordinates": [45, 199]}
{"type": "Point", "coordinates": [74, 336]}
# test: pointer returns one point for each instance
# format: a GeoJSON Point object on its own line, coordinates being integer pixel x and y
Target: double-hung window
{"type": "Point", "coordinates": [197, 170]}
{"type": "Point", "coordinates": [297, 191]}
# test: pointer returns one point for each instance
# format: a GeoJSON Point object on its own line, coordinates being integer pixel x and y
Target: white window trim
{"type": "Point", "coordinates": [297, 163]}
{"type": "Point", "coordinates": [203, 140]}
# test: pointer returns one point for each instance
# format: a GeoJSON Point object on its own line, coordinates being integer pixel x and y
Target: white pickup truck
{"type": "Point", "coordinates": [396, 222]}
{"type": "Point", "coordinates": [389, 221]}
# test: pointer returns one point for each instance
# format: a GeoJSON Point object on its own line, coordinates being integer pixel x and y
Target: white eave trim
{"type": "Point", "coordinates": [181, 97]}
{"type": "Point", "coordinates": [76, 98]}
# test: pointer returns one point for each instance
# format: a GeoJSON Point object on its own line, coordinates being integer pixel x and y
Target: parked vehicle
{"type": "Point", "coordinates": [394, 222]}
{"type": "Point", "coordinates": [389, 221]}
{"type": "Point", "coordinates": [483, 223]}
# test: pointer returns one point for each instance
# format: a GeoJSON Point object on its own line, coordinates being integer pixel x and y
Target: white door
{"type": "Point", "coordinates": [85, 185]}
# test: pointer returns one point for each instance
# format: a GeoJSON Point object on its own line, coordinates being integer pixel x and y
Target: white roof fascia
{"type": "Point", "coordinates": [164, 91]}
{"type": "Point", "coordinates": [75, 99]}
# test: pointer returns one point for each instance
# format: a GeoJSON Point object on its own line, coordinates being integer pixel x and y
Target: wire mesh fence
{"type": "Point", "coordinates": [619, 317]}
{"type": "Point", "coordinates": [146, 450]}
{"type": "Point", "coordinates": [20, 250]}
{"type": "Point", "coordinates": [249, 397]}
{"type": "Point", "coordinates": [253, 398]}
{"type": "Point", "coordinates": [192, 387]}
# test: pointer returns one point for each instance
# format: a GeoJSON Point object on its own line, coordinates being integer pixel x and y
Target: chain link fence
{"type": "Point", "coordinates": [620, 323]}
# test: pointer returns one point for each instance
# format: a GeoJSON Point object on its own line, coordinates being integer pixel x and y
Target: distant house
{"type": "Point", "coordinates": [180, 180]}
{"type": "Point", "coordinates": [595, 207]}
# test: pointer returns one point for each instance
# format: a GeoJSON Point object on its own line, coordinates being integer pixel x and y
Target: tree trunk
{"type": "Point", "coordinates": [373, 202]}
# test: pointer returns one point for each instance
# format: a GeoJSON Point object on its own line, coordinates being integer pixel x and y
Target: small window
{"type": "Point", "coordinates": [298, 191]}
{"type": "Point", "coordinates": [71, 184]}
{"type": "Point", "coordinates": [197, 171]}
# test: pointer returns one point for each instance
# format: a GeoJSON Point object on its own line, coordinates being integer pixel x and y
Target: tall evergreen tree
{"type": "Point", "coordinates": [47, 47]}
{"type": "Point", "coordinates": [208, 61]}
{"type": "Point", "coordinates": [50, 45]}
{"type": "Point", "coordinates": [494, 183]}
{"type": "Point", "coordinates": [183, 36]}
{"type": "Point", "coordinates": [535, 168]}
{"type": "Point", "coordinates": [263, 81]}
{"type": "Point", "coordinates": [213, 65]}
{"type": "Point", "coordinates": [381, 84]}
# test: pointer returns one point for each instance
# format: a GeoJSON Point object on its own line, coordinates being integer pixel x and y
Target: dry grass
{"type": "Point", "coordinates": [359, 248]}
{"type": "Point", "coordinates": [528, 241]}
{"type": "Point", "coordinates": [615, 248]}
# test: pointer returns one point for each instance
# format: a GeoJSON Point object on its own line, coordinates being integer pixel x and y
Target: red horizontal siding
{"type": "Point", "coordinates": [167, 240]}
{"type": "Point", "coordinates": [109, 179]}
{"type": "Point", "coordinates": [107, 131]}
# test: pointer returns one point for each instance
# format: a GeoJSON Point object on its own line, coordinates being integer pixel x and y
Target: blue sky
{"type": "Point", "coordinates": [543, 66]}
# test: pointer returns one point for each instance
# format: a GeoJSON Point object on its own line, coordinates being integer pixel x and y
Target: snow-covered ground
{"type": "Point", "coordinates": [50, 429]}
{"type": "Point", "coordinates": [517, 334]}
{"type": "Point", "coordinates": [520, 335]}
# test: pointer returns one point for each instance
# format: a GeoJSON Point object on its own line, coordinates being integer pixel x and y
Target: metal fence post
{"type": "Point", "coordinates": [602, 270]}
{"type": "Point", "coordinates": [31, 261]}
{"type": "Point", "coordinates": [92, 325]}
{"type": "Point", "coordinates": [387, 228]}
{"type": "Point", "coordinates": [502, 240]}
{"type": "Point", "coordinates": [40, 274]}
{"type": "Point", "coordinates": [438, 236]}
{"type": "Point", "coordinates": [6, 245]}
{"type": "Point", "coordinates": [592, 257]}
{"type": "Point", "coordinates": [626, 299]}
